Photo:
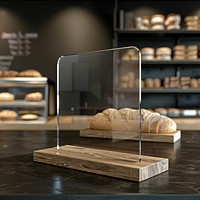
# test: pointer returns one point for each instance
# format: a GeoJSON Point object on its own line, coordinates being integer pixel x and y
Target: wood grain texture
{"type": "Point", "coordinates": [104, 162]}
{"type": "Point", "coordinates": [119, 135]}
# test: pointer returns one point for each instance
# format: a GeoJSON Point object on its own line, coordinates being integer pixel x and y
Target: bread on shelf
{"type": "Point", "coordinates": [29, 117]}
{"type": "Point", "coordinates": [30, 73]}
{"type": "Point", "coordinates": [6, 97]}
{"type": "Point", "coordinates": [127, 119]}
{"type": "Point", "coordinates": [8, 73]}
{"type": "Point", "coordinates": [8, 115]}
{"type": "Point", "coordinates": [34, 96]}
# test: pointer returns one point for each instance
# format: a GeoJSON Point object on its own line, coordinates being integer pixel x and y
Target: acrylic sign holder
{"type": "Point", "coordinates": [100, 80]}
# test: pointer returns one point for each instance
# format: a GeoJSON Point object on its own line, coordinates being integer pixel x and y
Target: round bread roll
{"type": "Point", "coordinates": [163, 51]}
{"type": "Point", "coordinates": [174, 27]}
{"type": "Point", "coordinates": [192, 48]}
{"type": "Point", "coordinates": [29, 73]}
{"type": "Point", "coordinates": [179, 57]}
{"type": "Point", "coordinates": [180, 47]}
{"type": "Point", "coordinates": [191, 18]}
{"type": "Point", "coordinates": [8, 115]}
{"type": "Point", "coordinates": [34, 96]}
{"type": "Point", "coordinates": [158, 27]}
{"type": "Point", "coordinates": [173, 19]}
{"type": "Point", "coordinates": [157, 19]}
{"type": "Point", "coordinates": [192, 23]}
{"type": "Point", "coordinates": [29, 117]}
{"type": "Point", "coordinates": [148, 57]}
{"type": "Point", "coordinates": [147, 51]}
{"type": "Point", "coordinates": [163, 57]}
{"type": "Point", "coordinates": [6, 97]}
{"type": "Point", "coordinates": [127, 119]}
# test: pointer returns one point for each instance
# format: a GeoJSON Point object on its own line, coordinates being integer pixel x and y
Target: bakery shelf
{"type": "Point", "coordinates": [22, 103]}
{"type": "Point", "coordinates": [160, 90]}
{"type": "Point", "coordinates": [163, 62]}
{"type": "Point", "coordinates": [174, 90]}
{"type": "Point", "coordinates": [171, 62]}
{"type": "Point", "coordinates": [183, 32]}
{"type": "Point", "coordinates": [23, 82]}
{"type": "Point", "coordinates": [40, 120]}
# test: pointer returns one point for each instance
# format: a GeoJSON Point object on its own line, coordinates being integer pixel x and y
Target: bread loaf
{"type": "Point", "coordinates": [6, 97]}
{"type": "Point", "coordinates": [8, 115]}
{"type": "Point", "coordinates": [30, 73]}
{"type": "Point", "coordinates": [34, 96]}
{"type": "Point", "coordinates": [127, 119]}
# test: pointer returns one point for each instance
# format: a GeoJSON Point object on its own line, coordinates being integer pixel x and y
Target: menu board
{"type": "Point", "coordinates": [19, 44]}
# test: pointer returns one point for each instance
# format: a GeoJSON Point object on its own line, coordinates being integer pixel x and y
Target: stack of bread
{"type": "Point", "coordinates": [194, 83]}
{"type": "Point", "coordinates": [163, 53]}
{"type": "Point", "coordinates": [137, 84]}
{"type": "Point", "coordinates": [185, 82]}
{"type": "Point", "coordinates": [173, 22]}
{"type": "Point", "coordinates": [171, 82]}
{"type": "Point", "coordinates": [192, 22]}
{"type": "Point", "coordinates": [152, 83]}
{"type": "Point", "coordinates": [158, 22]}
{"type": "Point", "coordinates": [127, 80]}
{"type": "Point", "coordinates": [192, 52]}
{"type": "Point", "coordinates": [127, 119]}
{"type": "Point", "coordinates": [142, 23]}
{"type": "Point", "coordinates": [131, 54]}
{"type": "Point", "coordinates": [147, 53]}
{"type": "Point", "coordinates": [183, 52]}
{"type": "Point", "coordinates": [179, 52]}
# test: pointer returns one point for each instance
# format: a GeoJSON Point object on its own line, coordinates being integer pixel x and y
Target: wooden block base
{"type": "Point", "coordinates": [104, 162]}
{"type": "Point", "coordinates": [120, 135]}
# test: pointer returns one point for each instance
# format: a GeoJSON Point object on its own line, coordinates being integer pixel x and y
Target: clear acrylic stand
{"type": "Point", "coordinates": [105, 85]}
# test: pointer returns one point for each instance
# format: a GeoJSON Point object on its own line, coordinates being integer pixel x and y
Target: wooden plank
{"type": "Point", "coordinates": [104, 162]}
{"type": "Point", "coordinates": [120, 135]}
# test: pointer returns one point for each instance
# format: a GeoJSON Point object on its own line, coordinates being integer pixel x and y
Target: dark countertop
{"type": "Point", "coordinates": [19, 175]}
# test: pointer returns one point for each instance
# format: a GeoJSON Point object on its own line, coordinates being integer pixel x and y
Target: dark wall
{"type": "Point", "coordinates": [63, 27]}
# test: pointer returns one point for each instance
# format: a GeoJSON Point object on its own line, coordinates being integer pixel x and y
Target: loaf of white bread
{"type": "Point", "coordinates": [127, 119]}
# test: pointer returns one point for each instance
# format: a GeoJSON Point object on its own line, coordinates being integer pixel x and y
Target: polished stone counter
{"type": "Point", "coordinates": [19, 175]}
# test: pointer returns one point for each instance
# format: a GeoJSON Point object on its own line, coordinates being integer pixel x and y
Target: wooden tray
{"type": "Point", "coordinates": [119, 135]}
{"type": "Point", "coordinates": [104, 162]}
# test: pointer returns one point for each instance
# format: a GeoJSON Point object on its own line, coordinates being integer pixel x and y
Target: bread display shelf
{"type": "Point", "coordinates": [22, 103]}
{"type": "Point", "coordinates": [163, 62]}
{"type": "Point", "coordinates": [40, 120]}
{"type": "Point", "coordinates": [171, 62]}
{"type": "Point", "coordinates": [160, 90]}
{"type": "Point", "coordinates": [120, 135]}
{"type": "Point", "coordinates": [23, 82]}
{"type": "Point", "coordinates": [103, 162]}
{"type": "Point", "coordinates": [158, 32]}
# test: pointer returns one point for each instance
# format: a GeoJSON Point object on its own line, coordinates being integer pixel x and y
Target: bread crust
{"type": "Point", "coordinates": [127, 119]}
{"type": "Point", "coordinates": [30, 73]}
{"type": "Point", "coordinates": [34, 96]}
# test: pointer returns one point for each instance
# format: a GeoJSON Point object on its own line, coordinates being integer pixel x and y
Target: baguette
{"type": "Point", "coordinates": [127, 119]}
